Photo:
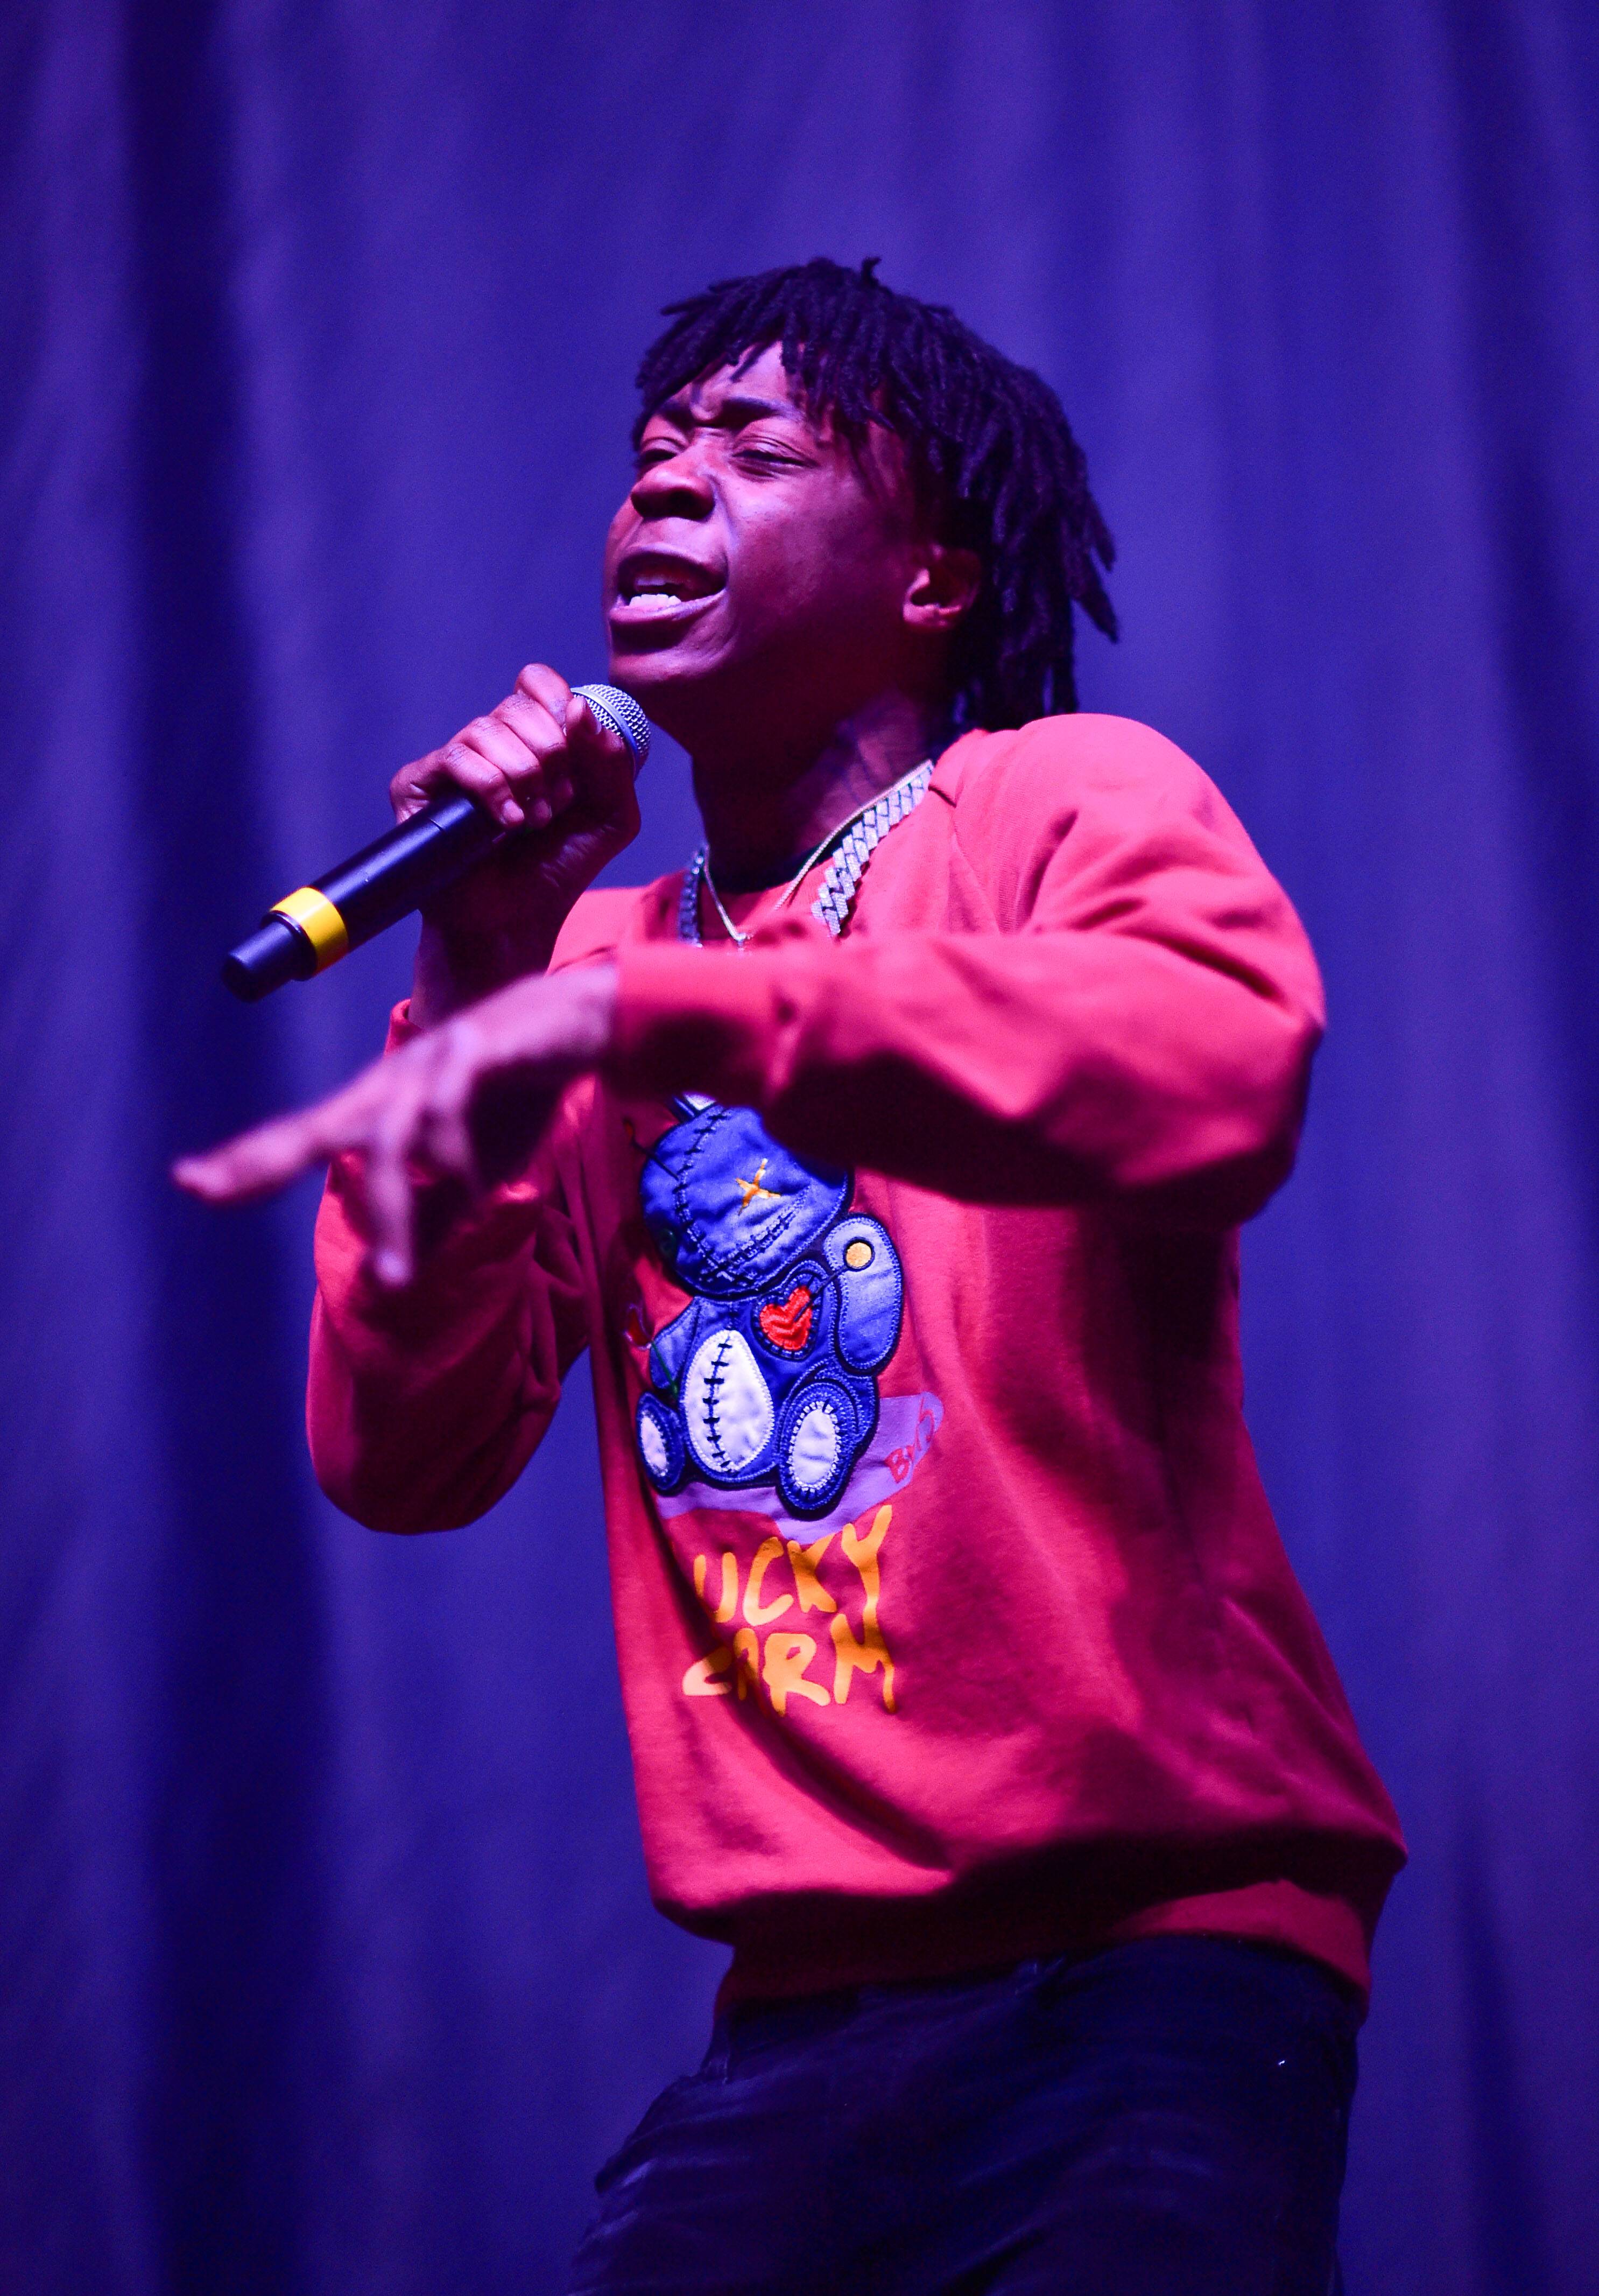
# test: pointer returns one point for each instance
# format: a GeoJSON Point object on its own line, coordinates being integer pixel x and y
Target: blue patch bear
{"type": "Point", "coordinates": [769, 1374]}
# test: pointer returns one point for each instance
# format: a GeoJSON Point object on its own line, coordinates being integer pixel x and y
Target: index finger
{"type": "Point", "coordinates": [257, 1162]}
{"type": "Point", "coordinates": [538, 682]}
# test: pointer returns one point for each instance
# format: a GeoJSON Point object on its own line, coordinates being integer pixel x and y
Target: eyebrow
{"type": "Point", "coordinates": [734, 413]}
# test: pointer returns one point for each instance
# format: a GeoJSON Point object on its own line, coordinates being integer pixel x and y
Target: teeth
{"type": "Point", "coordinates": [655, 602]}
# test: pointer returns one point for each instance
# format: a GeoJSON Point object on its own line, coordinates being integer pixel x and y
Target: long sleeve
{"type": "Point", "coordinates": [1125, 1007]}
{"type": "Point", "coordinates": [425, 1404]}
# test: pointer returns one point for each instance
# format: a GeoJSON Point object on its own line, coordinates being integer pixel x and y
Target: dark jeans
{"type": "Point", "coordinates": [1164, 2118]}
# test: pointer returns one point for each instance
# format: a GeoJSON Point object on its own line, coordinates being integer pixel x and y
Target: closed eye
{"type": "Point", "coordinates": [767, 458]}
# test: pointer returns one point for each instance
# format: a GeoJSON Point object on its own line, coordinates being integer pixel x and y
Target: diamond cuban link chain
{"type": "Point", "coordinates": [835, 897]}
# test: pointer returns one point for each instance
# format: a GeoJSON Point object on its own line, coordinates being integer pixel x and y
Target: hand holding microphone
{"type": "Point", "coordinates": [498, 831]}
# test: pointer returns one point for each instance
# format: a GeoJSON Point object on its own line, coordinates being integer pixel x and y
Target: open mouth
{"type": "Point", "coordinates": [655, 586]}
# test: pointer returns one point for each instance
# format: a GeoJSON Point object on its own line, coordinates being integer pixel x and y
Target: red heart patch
{"type": "Point", "coordinates": [786, 1323]}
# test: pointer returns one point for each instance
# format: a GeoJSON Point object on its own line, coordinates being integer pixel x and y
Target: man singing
{"type": "Point", "coordinates": [888, 1160]}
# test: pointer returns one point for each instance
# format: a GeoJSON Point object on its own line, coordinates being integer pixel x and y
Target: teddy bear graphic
{"type": "Point", "coordinates": [768, 1376]}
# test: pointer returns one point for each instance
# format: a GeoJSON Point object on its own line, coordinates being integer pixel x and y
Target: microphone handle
{"type": "Point", "coordinates": [314, 927]}
{"type": "Point", "coordinates": [318, 924]}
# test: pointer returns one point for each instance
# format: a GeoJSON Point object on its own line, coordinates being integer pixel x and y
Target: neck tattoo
{"type": "Point", "coordinates": [857, 840]}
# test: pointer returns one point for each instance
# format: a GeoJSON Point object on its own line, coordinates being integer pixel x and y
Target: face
{"type": "Point", "coordinates": [760, 565]}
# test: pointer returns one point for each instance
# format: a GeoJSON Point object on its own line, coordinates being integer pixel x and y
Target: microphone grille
{"type": "Point", "coordinates": [622, 714]}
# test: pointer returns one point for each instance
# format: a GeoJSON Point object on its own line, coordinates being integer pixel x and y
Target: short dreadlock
{"type": "Point", "coordinates": [990, 448]}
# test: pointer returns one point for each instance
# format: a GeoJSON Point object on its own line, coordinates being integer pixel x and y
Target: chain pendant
{"type": "Point", "coordinates": [835, 897]}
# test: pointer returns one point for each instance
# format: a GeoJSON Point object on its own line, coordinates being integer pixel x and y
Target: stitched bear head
{"type": "Point", "coordinates": [727, 1206]}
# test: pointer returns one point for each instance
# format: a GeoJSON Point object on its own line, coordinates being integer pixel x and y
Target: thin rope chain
{"type": "Point", "coordinates": [857, 839]}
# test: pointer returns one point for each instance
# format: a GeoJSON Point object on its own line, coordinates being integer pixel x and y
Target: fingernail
{"type": "Point", "coordinates": [541, 815]}
{"type": "Point", "coordinates": [511, 814]}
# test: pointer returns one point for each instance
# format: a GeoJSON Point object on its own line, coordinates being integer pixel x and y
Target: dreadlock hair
{"type": "Point", "coordinates": [992, 455]}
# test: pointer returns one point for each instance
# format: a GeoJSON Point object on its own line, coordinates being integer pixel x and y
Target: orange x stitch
{"type": "Point", "coordinates": [749, 1190]}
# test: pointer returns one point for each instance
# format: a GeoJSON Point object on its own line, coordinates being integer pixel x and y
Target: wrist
{"type": "Point", "coordinates": [594, 992]}
{"type": "Point", "coordinates": [454, 969]}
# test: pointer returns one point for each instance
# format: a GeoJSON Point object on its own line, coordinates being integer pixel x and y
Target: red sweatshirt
{"type": "Point", "coordinates": [952, 1624]}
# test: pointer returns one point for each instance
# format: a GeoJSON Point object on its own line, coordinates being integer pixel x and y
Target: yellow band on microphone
{"type": "Point", "coordinates": [318, 920]}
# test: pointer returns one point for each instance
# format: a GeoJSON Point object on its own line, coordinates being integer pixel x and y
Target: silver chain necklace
{"type": "Point", "coordinates": [856, 838]}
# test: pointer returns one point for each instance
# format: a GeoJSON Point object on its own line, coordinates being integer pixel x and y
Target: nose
{"type": "Point", "coordinates": [677, 486]}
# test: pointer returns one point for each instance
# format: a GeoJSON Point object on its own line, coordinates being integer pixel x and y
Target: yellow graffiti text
{"type": "Point", "coordinates": [787, 1658]}
{"type": "Point", "coordinates": [759, 1613]}
{"type": "Point", "coordinates": [850, 1657]}
{"type": "Point", "coordinates": [698, 1682]}
{"type": "Point", "coordinates": [862, 1553]}
{"type": "Point", "coordinates": [780, 1669]}
{"type": "Point", "coordinates": [813, 1596]}
{"type": "Point", "coordinates": [722, 1613]}
{"type": "Point", "coordinates": [746, 1650]}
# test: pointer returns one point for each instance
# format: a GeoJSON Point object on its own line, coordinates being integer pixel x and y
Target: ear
{"type": "Point", "coordinates": [942, 587]}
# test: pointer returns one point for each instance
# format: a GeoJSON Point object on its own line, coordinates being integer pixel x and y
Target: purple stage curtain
{"type": "Point", "coordinates": [328, 1963]}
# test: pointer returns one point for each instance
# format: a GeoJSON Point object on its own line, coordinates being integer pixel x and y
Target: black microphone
{"type": "Point", "coordinates": [312, 928]}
